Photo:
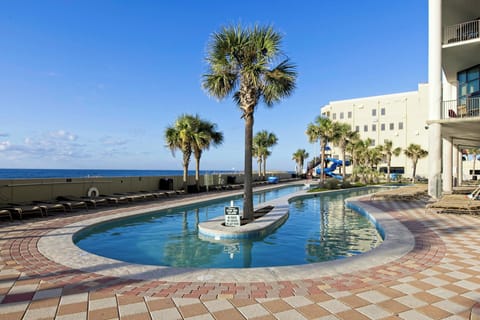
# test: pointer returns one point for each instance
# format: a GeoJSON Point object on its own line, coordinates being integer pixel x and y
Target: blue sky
{"type": "Point", "coordinates": [94, 84]}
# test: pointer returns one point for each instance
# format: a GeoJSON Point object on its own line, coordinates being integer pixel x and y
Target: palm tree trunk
{"type": "Point", "coordinates": [197, 173]}
{"type": "Point", "coordinates": [414, 170]}
{"type": "Point", "coordinates": [388, 168]}
{"type": "Point", "coordinates": [185, 176]}
{"type": "Point", "coordinates": [322, 162]}
{"type": "Point", "coordinates": [247, 191]}
{"type": "Point", "coordinates": [344, 166]}
{"type": "Point", "coordinates": [259, 163]}
{"type": "Point", "coordinates": [264, 168]}
{"type": "Point", "coordinates": [186, 161]}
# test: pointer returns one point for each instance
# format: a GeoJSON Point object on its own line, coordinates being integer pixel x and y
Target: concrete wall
{"type": "Point", "coordinates": [27, 190]}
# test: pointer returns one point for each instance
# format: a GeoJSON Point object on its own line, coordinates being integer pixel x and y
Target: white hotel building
{"type": "Point", "coordinates": [454, 89]}
{"type": "Point", "coordinates": [399, 117]}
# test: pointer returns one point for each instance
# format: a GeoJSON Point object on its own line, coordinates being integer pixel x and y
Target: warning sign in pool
{"type": "Point", "coordinates": [232, 216]}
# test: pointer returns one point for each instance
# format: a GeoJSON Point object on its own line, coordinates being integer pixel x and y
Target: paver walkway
{"type": "Point", "coordinates": [438, 279]}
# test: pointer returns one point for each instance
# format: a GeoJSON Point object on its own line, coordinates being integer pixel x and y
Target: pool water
{"type": "Point", "coordinates": [318, 229]}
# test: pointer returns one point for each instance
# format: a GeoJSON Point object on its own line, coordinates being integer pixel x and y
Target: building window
{"type": "Point", "coordinates": [468, 83]}
{"type": "Point", "coordinates": [349, 115]}
{"type": "Point", "coordinates": [374, 127]}
{"type": "Point", "coordinates": [373, 143]}
{"type": "Point", "coordinates": [334, 116]}
{"type": "Point", "coordinates": [382, 111]}
{"type": "Point", "coordinates": [382, 127]}
{"type": "Point", "coordinates": [374, 112]}
{"type": "Point", "coordinates": [392, 126]}
{"type": "Point", "coordinates": [365, 128]}
{"type": "Point", "coordinates": [341, 115]}
{"type": "Point", "coordinates": [400, 126]}
{"type": "Point", "coordinates": [357, 128]}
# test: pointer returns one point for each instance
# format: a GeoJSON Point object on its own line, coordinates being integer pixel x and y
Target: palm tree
{"type": "Point", "coordinates": [388, 151]}
{"type": "Point", "coordinates": [344, 137]}
{"type": "Point", "coordinates": [181, 136]}
{"type": "Point", "coordinates": [353, 148]}
{"type": "Point", "coordinates": [475, 152]}
{"type": "Point", "coordinates": [240, 62]}
{"type": "Point", "coordinates": [261, 142]}
{"type": "Point", "coordinates": [204, 136]}
{"type": "Point", "coordinates": [257, 152]}
{"type": "Point", "coordinates": [299, 157]}
{"type": "Point", "coordinates": [415, 152]}
{"type": "Point", "coordinates": [324, 130]}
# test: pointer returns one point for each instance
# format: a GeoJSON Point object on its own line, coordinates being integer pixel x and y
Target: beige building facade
{"type": "Point", "coordinates": [399, 117]}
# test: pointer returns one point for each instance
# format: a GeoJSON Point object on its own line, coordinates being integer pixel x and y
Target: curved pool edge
{"type": "Point", "coordinates": [58, 246]}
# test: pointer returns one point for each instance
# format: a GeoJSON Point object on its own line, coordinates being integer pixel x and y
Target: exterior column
{"type": "Point", "coordinates": [460, 169]}
{"type": "Point", "coordinates": [456, 159]}
{"type": "Point", "coordinates": [435, 97]}
{"type": "Point", "coordinates": [447, 166]}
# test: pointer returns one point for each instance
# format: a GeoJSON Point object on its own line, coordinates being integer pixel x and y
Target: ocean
{"type": "Point", "coordinates": [82, 173]}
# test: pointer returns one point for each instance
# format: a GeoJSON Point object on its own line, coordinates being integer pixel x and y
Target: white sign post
{"type": "Point", "coordinates": [232, 216]}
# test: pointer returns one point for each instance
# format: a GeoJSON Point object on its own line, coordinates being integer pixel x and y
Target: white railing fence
{"type": "Point", "coordinates": [461, 32]}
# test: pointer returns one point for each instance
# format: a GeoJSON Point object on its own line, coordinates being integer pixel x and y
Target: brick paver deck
{"type": "Point", "coordinates": [438, 279]}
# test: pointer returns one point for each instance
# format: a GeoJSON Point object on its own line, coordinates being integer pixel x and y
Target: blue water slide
{"type": "Point", "coordinates": [329, 171]}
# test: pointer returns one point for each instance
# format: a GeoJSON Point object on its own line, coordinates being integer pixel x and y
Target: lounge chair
{"type": "Point", "coordinates": [69, 205]}
{"type": "Point", "coordinates": [93, 202]}
{"type": "Point", "coordinates": [156, 194]}
{"type": "Point", "coordinates": [457, 203]}
{"type": "Point", "coordinates": [6, 212]}
{"type": "Point", "coordinates": [22, 209]}
{"type": "Point", "coordinates": [414, 192]}
{"type": "Point", "coordinates": [48, 206]}
{"type": "Point", "coordinates": [116, 199]}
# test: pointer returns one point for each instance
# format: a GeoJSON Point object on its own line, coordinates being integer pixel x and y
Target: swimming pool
{"type": "Point", "coordinates": [318, 229]}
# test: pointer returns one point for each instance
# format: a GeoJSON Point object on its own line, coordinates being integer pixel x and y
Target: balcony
{"type": "Point", "coordinates": [465, 108]}
{"type": "Point", "coordinates": [461, 32]}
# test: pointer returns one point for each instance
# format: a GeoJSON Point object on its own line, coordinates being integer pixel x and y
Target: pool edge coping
{"type": "Point", "coordinates": [58, 246]}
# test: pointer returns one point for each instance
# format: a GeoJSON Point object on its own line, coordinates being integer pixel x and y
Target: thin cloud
{"type": "Point", "coordinates": [112, 141]}
{"type": "Point", "coordinates": [55, 145]}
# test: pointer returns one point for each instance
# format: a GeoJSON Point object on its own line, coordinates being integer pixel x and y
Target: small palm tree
{"type": "Point", "coordinates": [205, 135]}
{"type": "Point", "coordinates": [344, 137]}
{"type": "Point", "coordinates": [415, 152]}
{"type": "Point", "coordinates": [299, 157]}
{"type": "Point", "coordinates": [241, 62]}
{"type": "Point", "coordinates": [180, 136]}
{"type": "Point", "coordinates": [388, 151]}
{"type": "Point", "coordinates": [475, 152]}
{"type": "Point", "coordinates": [324, 130]}
{"type": "Point", "coordinates": [262, 141]}
{"type": "Point", "coordinates": [258, 152]}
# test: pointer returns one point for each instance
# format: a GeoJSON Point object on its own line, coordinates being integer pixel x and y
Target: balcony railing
{"type": "Point", "coordinates": [461, 32]}
{"type": "Point", "coordinates": [462, 108]}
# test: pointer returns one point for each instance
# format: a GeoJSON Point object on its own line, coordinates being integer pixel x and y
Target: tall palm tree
{"type": "Point", "coordinates": [388, 151]}
{"type": "Point", "coordinates": [262, 141]}
{"type": "Point", "coordinates": [181, 136]}
{"type": "Point", "coordinates": [415, 152]}
{"type": "Point", "coordinates": [205, 135]}
{"type": "Point", "coordinates": [241, 62]}
{"type": "Point", "coordinates": [324, 130]}
{"type": "Point", "coordinates": [344, 137]}
{"type": "Point", "coordinates": [299, 157]}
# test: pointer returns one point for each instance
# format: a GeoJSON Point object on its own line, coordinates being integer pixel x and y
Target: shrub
{"type": "Point", "coordinates": [345, 184]}
{"type": "Point", "coordinates": [332, 183]}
